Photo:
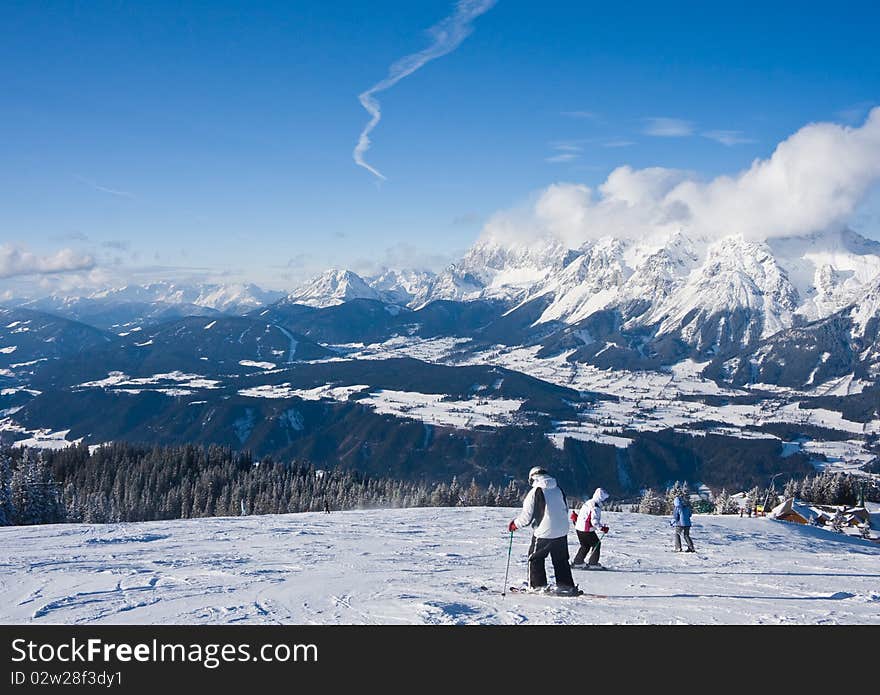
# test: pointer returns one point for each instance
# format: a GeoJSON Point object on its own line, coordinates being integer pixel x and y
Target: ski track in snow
{"type": "Point", "coordinates": [426, 566]}
{"type": "Point", "coordinates": [293, 343]}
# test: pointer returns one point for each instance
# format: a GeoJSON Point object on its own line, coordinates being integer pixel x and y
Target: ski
{"type": "Point", "coordinates": [525, 591]}
{"type": "Point", "coordinates": [585, 568]}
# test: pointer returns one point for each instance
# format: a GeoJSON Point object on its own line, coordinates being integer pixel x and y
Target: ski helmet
{"type": "Point", "coordinates": [537, 470]}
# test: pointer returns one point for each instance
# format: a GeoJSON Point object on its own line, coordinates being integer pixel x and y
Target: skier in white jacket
{"type": "Point", "coordinates": [587, 522]}
{"type": "Point", "coordinates": [545, 509]}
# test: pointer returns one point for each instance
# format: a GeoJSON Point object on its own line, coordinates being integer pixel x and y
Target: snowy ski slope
{"type": "Point", "coordinates": [426, 566]}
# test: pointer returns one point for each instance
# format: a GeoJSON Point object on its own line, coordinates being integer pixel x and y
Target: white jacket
{"type": "Point", "coordinates": [553, 523]}
{"type": "Point", "coordinates": [590, 514]}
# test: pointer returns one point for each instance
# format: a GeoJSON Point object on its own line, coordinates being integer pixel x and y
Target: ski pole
{"type": "Point", "coordinates": [596, 547]}
{"type": "Point", "coordinates": [509, 549]}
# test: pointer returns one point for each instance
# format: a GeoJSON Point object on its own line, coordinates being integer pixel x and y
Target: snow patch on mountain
{"type": "Point", "coordinates": [587, 284]}
{"type": "Point", "coordinates": [867, 310]}
{"type": "Point", "coordinates": [226, 298]}
{"type": "Point", "coordinates": [402, 287]}
{"type": "Point", "coordinates": [440, 410]}
{"type": "Point", "coordinates": [258, 365]}
{"type": "Point", "coordinates": [333, 287]}
{"type": "Point", "coordinates": [829, 270]}
{"type": "Point", "coordinates": [285, 390]}
{"type": "Point", "coordinates": [116, 380]}
{"type": "Point", "coordinates": [737, 276]}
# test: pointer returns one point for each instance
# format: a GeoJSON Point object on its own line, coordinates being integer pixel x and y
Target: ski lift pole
{"type": "Point", "coordinates": [773, 488]}
{"type": "Point", "coordinates": [509, 549]}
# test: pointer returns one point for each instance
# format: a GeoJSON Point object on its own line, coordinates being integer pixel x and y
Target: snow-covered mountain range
{"type": "Point", "coordinates": [706, 297]}
{"type": "Point", "coordinates": [713, 296]}
{"type": "Point", "coordinates": [716, 351]}
{"type": "Point", "coordinates": [129, 306]}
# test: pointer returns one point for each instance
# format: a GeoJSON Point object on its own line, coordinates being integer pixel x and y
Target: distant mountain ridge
{"type": "Point", "coordinates": [708, 297]}
{"type": "Point", "coordinates": [129, 306]}
{"type": "Point", "coordinates": [611, 301]}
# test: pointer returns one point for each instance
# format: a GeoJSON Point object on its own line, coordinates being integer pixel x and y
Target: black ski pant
{"type": "Point", "coordinates": [589, 540]}
{"type": "Point", "coordinates": [686, 532]}
{"type": "Point", "coordinates": [557, 549]}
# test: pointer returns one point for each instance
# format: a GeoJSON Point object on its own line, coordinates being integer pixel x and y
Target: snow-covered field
{"type": "Point", "coordinates": [426, 566]}
{"type": "Point", "coordinates": [640, 401]}
{"type": "Point", "coordinates": [647, 400]}
{"type": "Point", "coordinates": [436, 410]}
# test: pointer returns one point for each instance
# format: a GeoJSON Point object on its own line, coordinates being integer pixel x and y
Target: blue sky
{"type": "Point", "coordinates": [214, 139]}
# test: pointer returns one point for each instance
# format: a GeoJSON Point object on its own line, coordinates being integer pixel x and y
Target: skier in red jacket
{"type": "Point", "coordinates": [586, 523]}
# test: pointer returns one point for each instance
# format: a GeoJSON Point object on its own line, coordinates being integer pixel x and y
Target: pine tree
{"type": "Point", "coordinates": [753, 498]}
{"type": "Point", "coordinates": [832, 490]}
{"type": "Point", "coordinates": [652, 503]}
{"type": "Point", "coordinates": [807, 488]}
{"type": "Point", "coordinates": [455, 492]}
{"type": "Point", "coordinates": [725, 504]}
{"type": "Point", "coordinates": [35, 495]}
{"type": "Point", "coordinates": [7, 510]}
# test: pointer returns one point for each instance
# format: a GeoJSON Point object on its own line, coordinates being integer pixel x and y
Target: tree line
{"type": "Point", "coordinates": [823, 488]}
{"type": "Point", "coordinates": [127, 482]}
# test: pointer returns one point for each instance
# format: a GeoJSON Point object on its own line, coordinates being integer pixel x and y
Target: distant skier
{"type": "Point", "coordinates": [681, 522]}
{"type": "Point", "coordinates": [587, 522]}
{"type": "Point", "coordinates": [326, 507]}
{"type": "Point", "coordinates": [546, 510]}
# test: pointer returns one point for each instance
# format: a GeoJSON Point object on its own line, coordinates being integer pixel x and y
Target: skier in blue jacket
{"type": "Point", "coordinates": [681, 522]}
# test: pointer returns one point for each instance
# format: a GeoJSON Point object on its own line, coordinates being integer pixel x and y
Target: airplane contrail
{"type": "Point", "coordinates": [448, 35]}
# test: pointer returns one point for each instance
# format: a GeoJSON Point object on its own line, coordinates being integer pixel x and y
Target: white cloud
{"type": "Point", "coordinates": [104, 189]}
{"type": "Point", "coordinates": [562, 157]}
{"type": "Point", "coordinates": [15, 261]}
{"type": "Point", "coordinates": [447, 36]}
{"type": "Point", "coordinates": [618, 142]}
{"type": "Point", "coordinates": [566, 151]}
{"type": "Point", "coordinates": [813, 181]}
{"type": "Point", "coordinates": [728, 137]}
{"type": "Point", "coordinates": [668, 127]}
{"type": "Point", "coordinates": [404, 255]}
{"type": "Point", "coordinates": [640, 187]}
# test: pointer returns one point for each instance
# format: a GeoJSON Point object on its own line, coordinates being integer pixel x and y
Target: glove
{"type": "Point", "coordinates": [604, 529]}
{"type": "Point", "coordinates": [511, 527]}
{"type": "Point", "coordinates": [573, 517]}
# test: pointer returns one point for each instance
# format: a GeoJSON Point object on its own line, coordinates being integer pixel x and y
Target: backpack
{"type": "Point", "coordinates": [540, 507]}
